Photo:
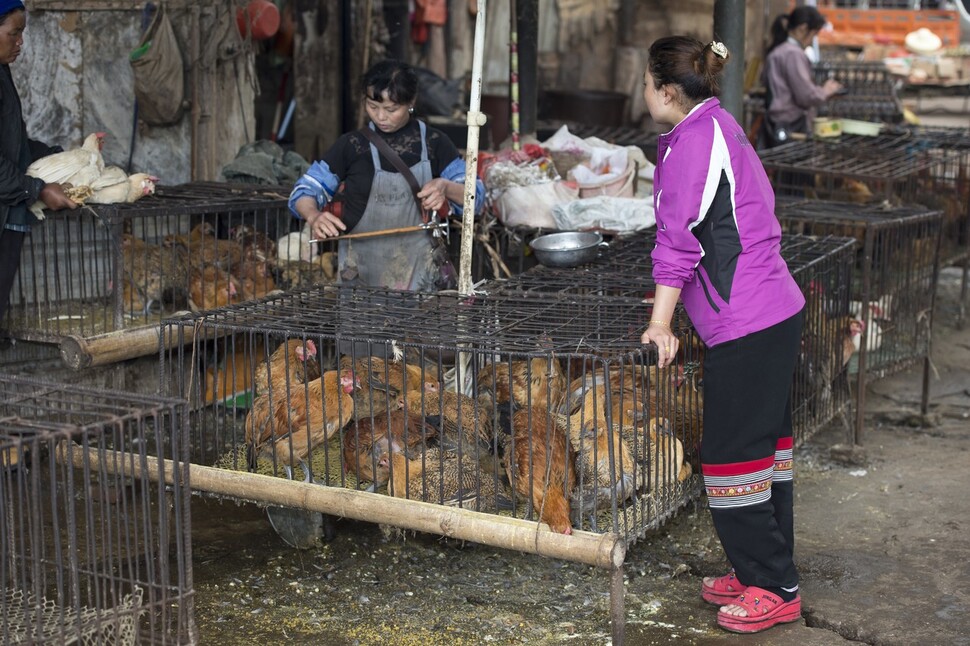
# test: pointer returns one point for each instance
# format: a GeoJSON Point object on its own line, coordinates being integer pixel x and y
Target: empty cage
{"type": "Point", "coordinates": [92, 549]}
{"type": "Point", "coordinates": [869, 91]}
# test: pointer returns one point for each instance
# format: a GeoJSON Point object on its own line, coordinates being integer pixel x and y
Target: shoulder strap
{"type": "Point", "coordinates": [391, 155]}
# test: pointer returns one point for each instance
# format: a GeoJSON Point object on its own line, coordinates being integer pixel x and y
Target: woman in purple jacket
{"type": "Point", "coordinates": [718, 249]}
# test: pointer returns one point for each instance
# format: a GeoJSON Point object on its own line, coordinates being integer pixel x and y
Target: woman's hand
{"type": "Point", "coordinates": [53, 197]}
{"type": "Point", "coordinates": [320, 224]}
{"type": "Point", "coordinates": [667, 343]}
{"type": "Point", "coordinates": [433, 195]}
{"type": "Point", "coordinates": [831, 87]}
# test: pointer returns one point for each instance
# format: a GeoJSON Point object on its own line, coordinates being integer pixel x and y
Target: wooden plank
{"type": "Point", "coordinates": [318, 86]}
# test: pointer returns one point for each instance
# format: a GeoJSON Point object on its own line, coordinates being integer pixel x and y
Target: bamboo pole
{"type": "Point", "coordinates": [599, 550]}
{"type": "Point", "coordinates": [475, 120]}
{"type": "Point", "coordinates": [80, 352]}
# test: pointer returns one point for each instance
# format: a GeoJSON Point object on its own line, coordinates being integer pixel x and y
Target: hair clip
{"type": "Point", "coordinates": [719, 49]}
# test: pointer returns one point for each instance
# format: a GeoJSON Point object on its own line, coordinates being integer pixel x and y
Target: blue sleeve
{"type": "Point", "coordinates": [319, 182]}
{"type": "Point", "coordinates": [455, 172]}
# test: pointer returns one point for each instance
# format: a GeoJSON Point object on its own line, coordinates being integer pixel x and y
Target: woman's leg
{"type": "Point", "coordinates": [747, 418]}
{"type": "Point", "coordinates": [10, 244]}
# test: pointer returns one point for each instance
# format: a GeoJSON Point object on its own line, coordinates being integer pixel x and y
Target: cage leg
{"type": "Point", "coordinates": [962, 307]}
{"type": "Point", "coordinates": [924, 403]}
{"type": "Point", "coordinates": [617, 611]}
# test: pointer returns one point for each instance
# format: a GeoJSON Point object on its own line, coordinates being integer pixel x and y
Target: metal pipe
{"type": "Point", "coordinates": [729, 29]}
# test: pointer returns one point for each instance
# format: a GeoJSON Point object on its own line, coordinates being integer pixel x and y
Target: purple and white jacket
{"type": "Point", "coordinates": [717, 235]}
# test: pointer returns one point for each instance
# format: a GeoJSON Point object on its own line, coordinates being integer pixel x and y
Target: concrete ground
{"type": "Point", "coordinates": [881, 542]}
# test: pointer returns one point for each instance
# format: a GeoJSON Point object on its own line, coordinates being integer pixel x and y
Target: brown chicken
{"type": "Point", "coordinates": [463, 425]}
{"type": "Point", "coordinates": [604, 465]}
{"type": "Point", "coordinates": [255, 245]}
{"type": "Point", "coordinates": [292, 363]}
{"type": "Point", "coordinates": [297, 425]}
{"type": "Point", "coordinates": [211, 287]}
{"type": "Point", "coordinates": [255, 278]}
{"type": "Point", "coordinates": [384, 382]}
{"type": "Point", "coordinates": [537, 382]}
{"type": "Point", "coordinates": [542, 466]}
{"type": "Point", "coordinates": [151, 275]}
{"type": "Point", "coordinates": [370, 437]}
{"type": "Point", "coordinates": [659, 454]}
{"type": "Point", "coordinates": [204, 248]}
{"type": "Point", "coordinates": [234, 375]}
{"type": "Point", "coordinates": [443, 478]}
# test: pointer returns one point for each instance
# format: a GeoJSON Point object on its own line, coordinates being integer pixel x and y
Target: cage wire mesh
{"type": "Point", "coordinates": [821, 265]}
{"type": "Point", "coordinates": [191, 247]}
{"type": "Point", "coordinates": [893, 288]}
{"type": "Point", "coordinates": [565, 385]}
{"type": "Point", "coordinates": [869, 91]}
{"type": "Point", "coordinates": [92, 551]}
{"type": "Point", "coordinates": [902, 167]}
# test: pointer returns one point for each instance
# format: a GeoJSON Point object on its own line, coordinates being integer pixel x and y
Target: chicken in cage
{"type": "Point", "coordinates": [494, 412]}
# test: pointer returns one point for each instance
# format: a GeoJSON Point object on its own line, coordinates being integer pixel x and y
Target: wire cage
{"type": "Point", "coordinates": [893, 289]}
{"type": "Point", "coordinates": [490, 390]}
{"type": "Point", "coordinates": [821, 265]}
{"type": "Point", "coordinates": [900, 167]}
{"type": "Point", "coordinates": [869, 91]}
{"type": "Point", "coordinates": [92, 551]}
{"type": "Point", "coordinates": [124, 267]}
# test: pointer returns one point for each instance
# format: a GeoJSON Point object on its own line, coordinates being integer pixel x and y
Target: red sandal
{"type": "Point", "coordinates": [725, 589]}
{"type": "Point", "coordinates": [764, 610]}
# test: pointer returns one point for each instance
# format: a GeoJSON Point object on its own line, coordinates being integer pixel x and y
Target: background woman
{"type": "Point", "coordinates": [718, 248]}
{"type": "Point", "coordinates": [792, 93]}
{"type": "Point", "coordinates": [375, 196]}
{"type": "Point", "coordinates": [17, 152]}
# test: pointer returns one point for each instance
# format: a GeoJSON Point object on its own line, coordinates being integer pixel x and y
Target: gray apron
{"type": "Point", "coordinates": [400, 261]}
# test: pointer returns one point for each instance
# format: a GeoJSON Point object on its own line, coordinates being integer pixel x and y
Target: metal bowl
{"type": "Point", "coordinates": [567, 248]}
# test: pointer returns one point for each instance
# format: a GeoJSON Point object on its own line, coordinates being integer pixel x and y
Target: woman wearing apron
{"type": "Point", "coordinates": [374, 196]}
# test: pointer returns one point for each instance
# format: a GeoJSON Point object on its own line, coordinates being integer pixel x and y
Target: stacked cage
{"type": "Point", "coordinates": [902, 167]}
{"type": "Point", "coordinates": [123, 267]}
{"type": "Point", "coordinates": [894, 285]}
{"type": "Point", "coordinates": [821, 265]}
{"type": "Point", "coordinates": [92, 550]}
{"type": "Point", "coordinates": [539, 409]}
{"type": "Point", "coordinates": [869, 91]}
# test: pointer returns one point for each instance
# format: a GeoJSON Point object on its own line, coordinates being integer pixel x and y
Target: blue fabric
{"type": "Point", "coordinates": [455, 172]}
{"type": "Point", "coordinates": [6, 6]}
{"type": "Point", "coordinates": [319, 182]}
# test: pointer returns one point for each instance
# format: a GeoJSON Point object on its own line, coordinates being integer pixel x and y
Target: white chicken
{"type": "Point", "coordinates": [79, 167]}
{"type": "Point", "coordinates": [129, 189]}
{"type": "Point", "coordinates": [295, 246]}
{"type": "Point", "coordinates": [876, 316]}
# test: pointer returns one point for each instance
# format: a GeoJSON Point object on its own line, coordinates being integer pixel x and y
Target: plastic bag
{"type": "Point", "coordinates": [159, 73]}
{"type": "Point", "coordinates": [609, 214]}
{"type": "Point", "coordinates": [531, 206]}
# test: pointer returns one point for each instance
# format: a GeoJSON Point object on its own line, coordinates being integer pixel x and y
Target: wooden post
{"type": "Point", "coordinates": [606, 551]}
{"type": "Point", "coordinates": [317, 82]}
